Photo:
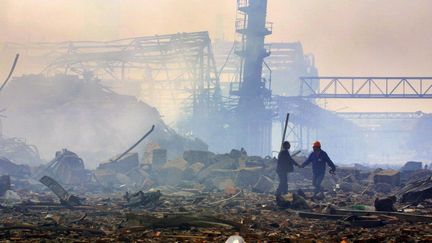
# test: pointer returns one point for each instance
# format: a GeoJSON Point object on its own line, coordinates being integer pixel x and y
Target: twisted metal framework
{"type": "Point", "coordinates": [178, 71]}
{"type": "Point", "coordinates": [171, 71]}
{"type": "Point", "coordinates": [368, 87]}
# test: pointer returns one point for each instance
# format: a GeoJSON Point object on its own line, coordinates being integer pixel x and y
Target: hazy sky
{"type": "Point", "coordinates": [347, 37]}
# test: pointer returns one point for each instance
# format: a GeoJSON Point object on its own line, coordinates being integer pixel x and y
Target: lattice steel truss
{"type": "Point", "coordinates": [382, 115]}
{"type": "Point", "coordinates": [368, 87]}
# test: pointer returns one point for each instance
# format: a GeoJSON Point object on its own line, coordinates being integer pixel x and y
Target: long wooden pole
{"type": "Point", "coordinates": [10, 72]}
{"type": "Point", "coordinates": [133, 146]}
{"type": "Point", "coordinates": [285, 129]}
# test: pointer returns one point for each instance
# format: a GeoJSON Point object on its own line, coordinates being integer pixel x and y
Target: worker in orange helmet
{"type": "Point", "coordinates": [319, 159]}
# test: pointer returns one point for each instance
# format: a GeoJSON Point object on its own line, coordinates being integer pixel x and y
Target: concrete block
{"type": "Point", "coordinates": [123, 165]}
{"type": "Point", "coordinates": [248, 177]}
{"type": "Point", "coordinates": [195, 156]}
{"type": "Point", "coordinates": [391, 177]}
{"type": "Point", "coordinates": [159, 158]}
{"type": "Point", "coordinates": [264, 185]}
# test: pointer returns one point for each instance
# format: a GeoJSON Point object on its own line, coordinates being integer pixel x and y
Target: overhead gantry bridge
{"type": "Point", "coordinates": [367, 87]}
{"type": "Point", "coordinates": [309, 119]}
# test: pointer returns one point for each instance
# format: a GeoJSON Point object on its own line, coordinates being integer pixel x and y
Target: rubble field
{"type": "Point", "coordinates": [183, 219]}
{"type": "Point", "coordinates": [207, 197]}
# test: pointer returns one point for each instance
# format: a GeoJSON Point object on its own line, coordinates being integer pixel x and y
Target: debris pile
{"type": "Point", "coordinates": [93, 121]}
{"type": "Point", "coordinates": [417, 191]}
{"type": "Point", "coordinates": [210, 197]}
{"type": "Point", "coordinates": [60, 192]}
{"type": "Point", "coordinates": [172, 189]}
{"type": "Point", "coordinates": [7, 167]}
{"type": "Point", "coordinates": [68, 168]}
{"type": "Point", "coordinates": [18, 151]}
{"type": "Point", "coordinates": [391, 177]}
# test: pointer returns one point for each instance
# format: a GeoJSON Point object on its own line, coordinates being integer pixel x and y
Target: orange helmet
{"type": "Point", "coordinates": [316, 144]}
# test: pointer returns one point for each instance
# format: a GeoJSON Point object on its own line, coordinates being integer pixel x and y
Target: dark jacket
{"type": "Point", "coordinates": [285, 162]}
{"type": "Point", "coordinates": [319, 161]}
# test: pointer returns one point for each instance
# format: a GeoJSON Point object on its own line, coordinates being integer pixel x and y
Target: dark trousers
{"type": "Point", "coordinates": [316, 181]}
{"type": "Point", "coordinates": [283, 183]}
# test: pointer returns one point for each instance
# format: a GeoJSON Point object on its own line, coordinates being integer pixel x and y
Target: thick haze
{"type": "Point", "coordinates": [368, 37]}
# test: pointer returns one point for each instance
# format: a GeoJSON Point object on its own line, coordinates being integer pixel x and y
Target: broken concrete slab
{"type": "Point", "coordinates": [123, 179]}
{"type": "Point", "coordinates": [127, 163]}
{"type": "Point", "coordinates": [60, 192]}
{"type": "Point", "coordinates": [66, 167]}
{"type": "Point", "coordinates": [191, 171]}
{"type": "Point", "coordinates": [223, 184]}
{"type": "Point", "coordinates": [178, 163]}
{"type": "Point", "coordinates": [168, 176]}
{"type": "Point", "coordinates": [141, 199]}
{"type": "Point", "coordinates": [385, 204]}
{"type": "Point", "coordinates": [409, 169]}
{"type": "Point", "coordinates": [383, 187]}
{"type": "Point", "coordinates": [412, 166]}
{"type": "Point", "coordinates": [391, 177]}
{"type": "Point", "coordinates": [416, 175]}
{"type": "Point", "coordinates": [138, 177]}
{"type": "Point", "coordinates": [225, 161]}
{"type": "Point", "coordinates": [196, 156]}
{"type": "Point", "coordinates": [159, 158]}
{"type": "Point", "coordinates": [416, 191]}
{"type": "Point", "coordinates": [350, 187]}
{"type": "Point", "coordinates": [253, 161]}
{"type": "Point", "coordinates": [248, 177]}
{"type": "Point", "coordinates": [225, 164]}
{"type": "Point", "coordinates": [7, 167]}
{"type": "Point", "coordinates": [107, 178]}
{"type": "Point", "coordinates": [348, 173]}
{"type": "Point", "coordinates": [264, 185]}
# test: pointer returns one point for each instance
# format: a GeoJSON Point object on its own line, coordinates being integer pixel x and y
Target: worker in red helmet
{"type": "Point", "coordinates": [319, 159]}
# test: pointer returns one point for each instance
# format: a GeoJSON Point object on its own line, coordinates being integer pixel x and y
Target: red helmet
{"type": "Point", "coordinates": [316, 144]}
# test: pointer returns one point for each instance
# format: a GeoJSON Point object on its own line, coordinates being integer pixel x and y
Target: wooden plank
{"type": "Point", "coordinates": [403, 216]}
{"type": "Point", "coordinates": [179, 219]}
{"type": "Point", "coordinates": [311, 215]}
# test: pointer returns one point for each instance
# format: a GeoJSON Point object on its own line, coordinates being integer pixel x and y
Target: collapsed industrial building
{"type": "Point", "coordinates": [171, 138]}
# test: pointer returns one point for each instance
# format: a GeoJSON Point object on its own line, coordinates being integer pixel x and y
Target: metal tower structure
{"type": "Point", "coordinates": [287, 62]}
{"type": "Point", "coordinates": [253, 118]}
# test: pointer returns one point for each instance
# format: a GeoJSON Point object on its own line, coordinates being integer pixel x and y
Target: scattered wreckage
{"type": "Point", "coordinates": [202, 196]}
